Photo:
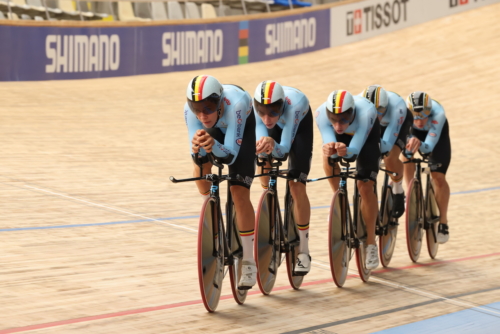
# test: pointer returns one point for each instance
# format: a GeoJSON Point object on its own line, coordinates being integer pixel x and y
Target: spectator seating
{"type": "Point", "coordinates": [158, 11]}
{"type": "Point", "coordinates": [208, 11]}
{"type": "Point", "coordinates": [174, 10]}
{"type": "Point", "coordinates": [192, 11]}
{"type": "Point", "coordinates": [126, 12]}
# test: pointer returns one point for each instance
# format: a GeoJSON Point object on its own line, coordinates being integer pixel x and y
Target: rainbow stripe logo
{"type": "Point", "coordinates": [243, 43]}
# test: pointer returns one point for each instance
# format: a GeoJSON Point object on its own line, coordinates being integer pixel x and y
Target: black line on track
{"type": "Point", "coordinates": [376, 314]}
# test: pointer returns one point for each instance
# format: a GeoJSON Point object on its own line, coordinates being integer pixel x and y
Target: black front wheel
{"type": "Point", "coordinates": [414, 219]}
{"type": "Point", "coordinates": [210, 254]}
{"type": "Point", "coordinates": [388, 229]}
{"type": "Point", "coordinates": [362, 235]}
{"type": "Point", "coordinates": [267, 242]}
{"type": "Point", "coordinates": [432, 222]}
{"type": "Point", "coordinates": [293, 249]}
{"type": "Point", "coordinates": [235, 269]}
{"type": "Point", "coordinates": [339, 250]}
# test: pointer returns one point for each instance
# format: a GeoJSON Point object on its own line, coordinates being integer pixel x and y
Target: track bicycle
{"type": "Point", "coordinates": [217, 246]}
{"type": "Point", "coordinates": [275, 239]}
{"type": "Point", "coordinates": [422, 212]}
{"type": "Point", "coordinates": [387, 226]}
{"type": "Point", "coordinates": [346, 233]}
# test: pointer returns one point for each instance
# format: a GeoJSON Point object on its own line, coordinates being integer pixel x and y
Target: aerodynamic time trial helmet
{"type": "Point", "coordinates": [204, 88]}
{"type": "Point", "coordinates": [269, 98]}
{"type": "Point", "coordinates": [420, 104]}
{"type": "Point", "coordinates": [378, 96]}
{"type": "Point", "coordinates": [340, 106]}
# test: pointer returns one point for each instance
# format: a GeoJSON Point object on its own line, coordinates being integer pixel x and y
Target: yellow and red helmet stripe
{"type": "Point", "coordinates": [377, 97]}
{"type": "Point", "coordinates": [338, 101]}
{"type": "Point", "coordinates": [267, 92]}
{"type": "Point", "coordinates": [198, 84]}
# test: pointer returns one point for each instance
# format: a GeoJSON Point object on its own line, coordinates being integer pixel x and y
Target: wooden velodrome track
{"type": "Point", "coordinates": [92, 158]}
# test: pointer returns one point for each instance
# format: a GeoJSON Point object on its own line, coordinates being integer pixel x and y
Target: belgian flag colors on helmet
{"type": "Point", "coordinates": [340, 101]}
{"type": "Point", "coordinates": [377, 95]}
{"type": "Point", "coordinates": [419, 103]}
{"type": "Point", "coordinates": [268, 92]}
{"type": "Point", "coordinates": [203, 86]}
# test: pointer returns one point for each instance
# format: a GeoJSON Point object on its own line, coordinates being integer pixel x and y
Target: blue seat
{"type": "Point", "coordinates": [294, 2]}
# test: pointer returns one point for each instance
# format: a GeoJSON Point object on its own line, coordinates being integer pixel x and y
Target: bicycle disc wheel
{"type": "Point", "coordinates": [338, 249]}
{"type": "Point", "coordinates": [432, 219]}
{"type": "Point", "coordinates": [362, 235]}
{"type": "Point", "coordinates": [293, 251]}
{"type": "Point", "coordinates": [267, 242]}
{"type": "Point", "coordinates": [235, 268]}
{"type": "Point", "coordinates": [210, 255]}
{"type": "Point", "coordinates": [414, 219]}
{"type": "Point", "coordinates": [389, 227]}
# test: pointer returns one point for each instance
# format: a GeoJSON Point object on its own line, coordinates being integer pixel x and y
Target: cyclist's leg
{"type": "Point", "coordinates": [334, 182]}
{"type": "Point", "coordinates": [245, 216]}
{"type": "Point", "coordinates": [409, 168]}
{"type": "Point", "coordinates": [299, 165]}
{"type": "Point", "coordinates": [393, 163]}
{"type": "Point", "coordinates": [367, 165]}
{"type": "Point", "coordinates": [244, 165]}
{"type": "Point", "coordinates": [441, 155]}
{"type": "Point", "coordinates": [442, 191]}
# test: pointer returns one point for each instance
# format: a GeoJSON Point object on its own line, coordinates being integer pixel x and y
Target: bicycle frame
{"type": "Point", "coordinates": [215, 180]}
{"type": "Point", "coordinates": [429, 219]}
{"type": "Point", "coordinates": [273, 175]}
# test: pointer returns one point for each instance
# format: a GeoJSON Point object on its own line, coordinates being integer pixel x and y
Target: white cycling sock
{"type": "Point", "coordinates": [397, 187]}
{"type": "Point", "coordinates": [205, 196]}
{"type": "Point", "coordinates": [247, 238]}
{"type": "Point", "coordinates": [304, 238]}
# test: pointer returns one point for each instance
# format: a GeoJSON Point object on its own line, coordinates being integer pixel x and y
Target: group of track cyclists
{"type": "Point", "coordinates": [376, 124]}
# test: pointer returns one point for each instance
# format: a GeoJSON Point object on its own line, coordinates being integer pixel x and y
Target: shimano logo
{"type": "Point", "coordinates": [290, 35]}
{"type": "Point", "coordinates": [192, 47]}
{"type": "Point", "coordinates": [82, 53]}
{"type": "Point", "coordinates": [374, 17]}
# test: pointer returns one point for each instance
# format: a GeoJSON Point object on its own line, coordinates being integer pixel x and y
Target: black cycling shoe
{"type": "Point", "coordinates": [398, 206]}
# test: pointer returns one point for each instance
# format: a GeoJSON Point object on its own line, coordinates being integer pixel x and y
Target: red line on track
{"type": "Point", "coordinates": [194, 302]}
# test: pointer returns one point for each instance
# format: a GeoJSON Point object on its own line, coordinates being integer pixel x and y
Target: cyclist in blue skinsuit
{"type": "Point", "coordinates": [220, 120]}
{"type": "Point", "coordinates": [395, 122]}
{"type": "Point", "coordinates": [350, 129]}
{"type": "Point", "coordinates": [431, 136]}
{"type": "Point", "coordinates": [285, 126]}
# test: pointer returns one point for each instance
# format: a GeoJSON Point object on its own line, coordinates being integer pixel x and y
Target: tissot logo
{"type": "Point", "coordinates": [455, 3]}
{"type": "Point", "coordinates": [374, 17]}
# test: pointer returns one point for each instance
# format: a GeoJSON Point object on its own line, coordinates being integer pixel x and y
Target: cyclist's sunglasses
{"type": "Point", "coordinates": [268, 110]}
{"type": "Point", "coordinates": [422, 113]}
{"type": "Point", "coordinates": [381, 111]}
{"type": "Point", "coordinates": [343, 118]}
{"type": "Point", "coordinates": [205, 107]}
